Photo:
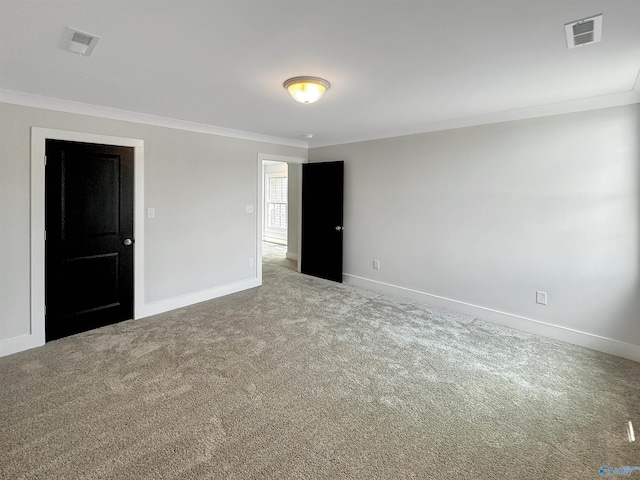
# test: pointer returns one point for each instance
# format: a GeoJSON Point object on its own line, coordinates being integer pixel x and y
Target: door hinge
{"type": "Point", "coordinates": [45, 160]}
{"type": "Point", "coordinates": [45, 234]}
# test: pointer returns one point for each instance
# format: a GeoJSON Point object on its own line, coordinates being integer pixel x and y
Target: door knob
{"type": "Point", "coordinates": [339, 228]}
{"type": "Point", "coordinates": [128, 242]}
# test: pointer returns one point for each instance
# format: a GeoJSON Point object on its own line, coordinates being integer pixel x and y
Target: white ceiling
{"type": "Point", "coordinates": [396, 66]}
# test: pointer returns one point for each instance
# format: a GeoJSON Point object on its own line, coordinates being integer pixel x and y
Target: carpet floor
{"type": "Point", "coordinates": [304, 378]}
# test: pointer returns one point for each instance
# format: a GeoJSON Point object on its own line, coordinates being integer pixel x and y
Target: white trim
{"type": "Point", "coordinates": [280, 158]}
{"type": "Point", "coordinates": [292, 256]}
{"type": "Point", "coordinates": [636, 84]}
{"type": "Point", "coordinates": [197, 297]}
{"type": "Point", "coordinates": [36, 335]}
{"type": "Point", "coordinates": [581, 105]}
{"type": "Point", "coordinates": [18, 344]}
{"type": "Point", "coordinates": [262, 157]}
{"type": "Point", "coordinates": [557, 332]}
{"type": "Point", "coordinates": [68, 106]}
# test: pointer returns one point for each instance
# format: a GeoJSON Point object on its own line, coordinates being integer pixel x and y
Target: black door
{"type": "Point", "coordinates": [322, 200]}
{"type": "Point", "coordinates": [89, 236]}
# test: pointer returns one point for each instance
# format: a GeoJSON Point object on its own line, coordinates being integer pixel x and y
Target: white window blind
{"type": "Point", "coordinates": [277, 203]}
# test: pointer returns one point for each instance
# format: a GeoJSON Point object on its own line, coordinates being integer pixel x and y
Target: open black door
{"type": "Point", "coordinates": [322, 202]}
{"type": "Point", "coordinates": [89, 242]}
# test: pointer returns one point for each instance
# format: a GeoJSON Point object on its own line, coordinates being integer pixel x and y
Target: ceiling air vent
{"type": "Point", "coordinates": [79, 42]}
{"type": "Point", "coordinates": [584, 32]}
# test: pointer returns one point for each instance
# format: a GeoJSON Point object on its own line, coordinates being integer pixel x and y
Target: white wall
{"type": "Point", "coordinates": [485, 216]}
{"type": "Point", "coordinates": [475, 219]}
{"type": "Point", "coordinates": [199, 185]}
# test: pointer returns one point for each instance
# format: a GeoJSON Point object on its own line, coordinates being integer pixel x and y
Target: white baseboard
{"type": "Point", "coordinates": [276, 241]}
{"type": "Point", "coordinates": [197, 297]}
{"type": "Point", "coordinates": [19, 344]}
{"type": "Point", "coordinates": [28, 341]}
{"type": "Point", "coordinates": [292, 256]}
{"type": "Point", "coordinates": [556, 332]}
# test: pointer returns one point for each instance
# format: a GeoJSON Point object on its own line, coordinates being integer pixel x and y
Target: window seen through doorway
{"type": "Point", "coordinates": [275, 210]}
{"type": "Point", "coordinates": [277, 203]}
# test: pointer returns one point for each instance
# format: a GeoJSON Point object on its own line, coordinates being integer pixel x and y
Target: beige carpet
{"type": "Point", "coordinates": [303, 378]}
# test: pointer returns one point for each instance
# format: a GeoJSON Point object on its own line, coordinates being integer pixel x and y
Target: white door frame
{"type": "Point", "coordinates": [39, 136]}
{"type": "Point", "coordinates": [260, 206]}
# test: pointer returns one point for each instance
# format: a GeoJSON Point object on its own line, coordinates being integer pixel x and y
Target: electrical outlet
{"type": "Point", "coordinates": [251, 262]}
{"type": "Point", "coordinates": [376, 264]}
{"type": "Point", "coordinates": [541, 297]}
{"type": "Point", "coordinates": [249, 209]}
{"type": "Point", "coordinates": [151, 212]}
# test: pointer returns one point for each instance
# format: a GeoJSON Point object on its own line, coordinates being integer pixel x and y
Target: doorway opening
{"type": "Point", "coordinates": [316, 246]}
{"type": "Point", "coordinates": [39, 136]}
{"type": "Point", "coordinates": [278, 212]}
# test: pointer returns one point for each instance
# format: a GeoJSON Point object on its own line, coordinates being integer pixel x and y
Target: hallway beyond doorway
{"type": "Point", "coordinates": [275, 254]}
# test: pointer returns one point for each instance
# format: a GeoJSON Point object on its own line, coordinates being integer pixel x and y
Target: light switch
{"type": "Point", "coordinates": [151, 213]}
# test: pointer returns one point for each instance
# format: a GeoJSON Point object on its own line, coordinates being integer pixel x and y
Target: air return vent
{"type": "Point", "coordinates": [584, 32]}
{"type": "Point", "coordinates": [79, 42]}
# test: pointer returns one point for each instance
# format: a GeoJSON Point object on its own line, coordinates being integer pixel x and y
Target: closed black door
{"type": "Point", "coordinates": [89, 236]}
{"type": "Point", "coordinates": [322, 202]}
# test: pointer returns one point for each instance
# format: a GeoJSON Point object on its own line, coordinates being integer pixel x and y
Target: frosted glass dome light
{"type": "Point", "coordinates": [306, 89]}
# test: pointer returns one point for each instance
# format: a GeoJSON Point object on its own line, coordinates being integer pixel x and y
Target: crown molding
{"type": "Point", "coordinates": [68, 106]}
{"type": "Point", "coordinates": [581, 105]}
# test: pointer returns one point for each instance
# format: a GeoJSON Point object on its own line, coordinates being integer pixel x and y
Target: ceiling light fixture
{"type": "Point", "coordinates": [306, 89]}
